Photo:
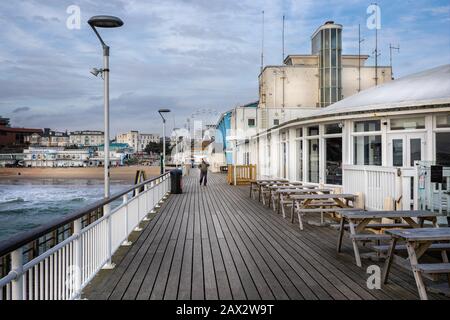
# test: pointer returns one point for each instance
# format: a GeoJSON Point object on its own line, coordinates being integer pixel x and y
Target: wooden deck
{"type": "Point", "coordinates": [215, 242]}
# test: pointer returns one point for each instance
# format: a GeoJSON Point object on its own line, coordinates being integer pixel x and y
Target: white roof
{"type": "Point", "coordinates": [424, 88]}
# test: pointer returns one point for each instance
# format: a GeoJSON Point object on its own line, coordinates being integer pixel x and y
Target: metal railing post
{"type": "Point", "coordinates": [127, 242]}
{"type": "Point", "coordinates": [78, 256]}
{"type": "Point", "coordinates": [107, 214]}
{"type": "Point", "coordinates": [17, 268]}
{"type": "Point", "coordinates": [146, 203]}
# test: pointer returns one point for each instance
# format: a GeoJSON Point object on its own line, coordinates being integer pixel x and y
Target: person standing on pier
{"type": "Point", "coordinates": [203, 172]}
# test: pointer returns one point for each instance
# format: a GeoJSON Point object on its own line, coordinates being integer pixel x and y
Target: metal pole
{"type": "Point", "coordinates": [106, 112]}
{"type": "Point", "coordinates": [359, 57]}
{"type": "Point", "coordinates": [17, 267]}
{"type": "Point", "coordinates": [164, 147]}
{"type": "Point", "coordinates": [107, 207]}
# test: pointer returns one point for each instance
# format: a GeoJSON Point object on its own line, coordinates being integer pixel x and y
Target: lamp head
{"type": "Point", "coordinates": [105, 22]}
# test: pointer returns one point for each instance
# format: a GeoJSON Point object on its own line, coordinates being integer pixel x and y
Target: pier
{"type": "Point", "coordinates": [215, 242]}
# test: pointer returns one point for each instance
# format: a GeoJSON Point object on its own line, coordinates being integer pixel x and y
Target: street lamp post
{"type": "Point", "coordinates": [163, 159]}
{"type": "Point", "coordinates": [105, 22]}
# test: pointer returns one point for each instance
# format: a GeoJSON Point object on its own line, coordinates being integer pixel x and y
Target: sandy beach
{"type": "Point", "coordinates": [117, 173]}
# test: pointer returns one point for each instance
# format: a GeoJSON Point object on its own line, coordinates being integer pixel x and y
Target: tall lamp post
{"type": "Point", "coordinates": [163, 159]}
{"type": "Point", "coordinates": [105, 22]}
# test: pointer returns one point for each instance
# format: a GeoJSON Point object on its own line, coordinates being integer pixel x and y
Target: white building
{"type": "Point", "coordinates": [50, 138]}
{"type": "Point", "coordinates": [56, 157]}
{"type": "Point", "coordinates": [137, 141]}
{"type": "Point", "coordinates": [306, 82]}
{"type": "Point", "coordinates": [368, 143]}
{"type": "Point", "coordinates": [87, 138]}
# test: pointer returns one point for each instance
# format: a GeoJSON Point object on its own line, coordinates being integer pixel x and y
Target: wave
{"type": "Point", "coordinates": [13, 200]}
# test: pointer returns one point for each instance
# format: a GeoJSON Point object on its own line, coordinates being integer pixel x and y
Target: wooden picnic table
{"type": "Point", "coordinates": [300, 190]}
{"type": "Point", "coordinates": [310, 202]}
{"type": "Point", "coordinates": [418, 241]}
{"type": "Point", "coordinates": [359, 221]}
{"type": "Point", "coordinates": [262, 182]}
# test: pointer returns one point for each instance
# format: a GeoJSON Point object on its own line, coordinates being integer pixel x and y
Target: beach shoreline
{"type": "Point", "coordinates": [116, 173]}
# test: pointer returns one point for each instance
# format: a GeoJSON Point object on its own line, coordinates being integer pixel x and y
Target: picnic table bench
{"type": "Point", "coordinates": [283, 195]}
{"type": "Point", "coordinates": [256, 185]}
{"type": "Point", "coordinates": [360, 221]}
{"type": "Point", "coordinates": [418, 241]}
{"type": "Point", "coordinates": [319, 202]}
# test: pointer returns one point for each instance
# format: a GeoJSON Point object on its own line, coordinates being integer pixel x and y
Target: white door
{"type": "Point", "coordinates": [405, 148]}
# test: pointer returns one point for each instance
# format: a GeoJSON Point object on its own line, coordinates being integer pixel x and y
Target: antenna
{"type": "Point", "coordinates": [391, 47]}
{"type": "Point", "coordinates": [282, 41]}
{"type": "Point", "coordinates": [359, 57]}
{"type": "Point", "coordinates": [376, 45]}
{"type": "Point", "coordinates": [262, 43]}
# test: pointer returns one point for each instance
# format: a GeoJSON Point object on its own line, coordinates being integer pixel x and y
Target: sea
{"type": "Point", "coordinates": [27, 204]}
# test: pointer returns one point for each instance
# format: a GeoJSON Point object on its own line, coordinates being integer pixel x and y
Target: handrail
{"type": "Point", "coordinates": [26, 237]}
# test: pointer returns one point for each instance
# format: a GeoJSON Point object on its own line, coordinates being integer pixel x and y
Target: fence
{"type": "Point", "coordinates": [57, 261]}
{"type": "Point", "coordinates": [377, 183]}
{"type": "Point", "coordinates": [241, 174]}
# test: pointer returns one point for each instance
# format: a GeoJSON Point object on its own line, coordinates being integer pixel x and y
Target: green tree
{"type": "Point", "coordinates": [155, 147]}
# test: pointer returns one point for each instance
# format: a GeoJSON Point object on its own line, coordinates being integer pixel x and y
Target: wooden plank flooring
{"type": "Point", "coordinates": [215, 242]}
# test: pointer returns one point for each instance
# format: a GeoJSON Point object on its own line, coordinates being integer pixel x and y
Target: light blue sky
{"type": "Point", "coordinates": [187, 55]}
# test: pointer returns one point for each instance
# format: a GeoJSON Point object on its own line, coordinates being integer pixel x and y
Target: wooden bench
{"type": "Point", "coordinates": [402, 247]}
{"type": "Point", "coordinates": [303, 211]}
{"type": "Point", "coordinates": [433, 268]}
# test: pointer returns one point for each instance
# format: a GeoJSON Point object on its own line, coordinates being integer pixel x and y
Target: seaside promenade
{"type": "Point", "coordinates": [215, 242]}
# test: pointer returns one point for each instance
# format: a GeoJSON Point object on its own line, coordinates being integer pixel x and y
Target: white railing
{"type": "Point", "coordinates": [61, 272]}
{"type": "Point", "coordinates": [376, 183]}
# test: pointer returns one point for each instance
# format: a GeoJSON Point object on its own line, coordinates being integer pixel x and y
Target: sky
{"type": "Point", "coordinates": [198, 58]}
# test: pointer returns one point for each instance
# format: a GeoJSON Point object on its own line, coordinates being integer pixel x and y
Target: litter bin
{"type": "Point", "coordinates": [175, 181]}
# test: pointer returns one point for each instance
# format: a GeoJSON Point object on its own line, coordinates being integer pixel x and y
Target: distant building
{"type": "Point", "coordinates": [11, 159]}
{"type": "Point", "coordinates": [137, 141]}
{"type": "Point", "coordinates": [15, 138]}
{"type": "Point", "coordinates": [56, 157]}
{"type": "Point", "coordinates": [86, 138]}
{"type": "Point", "coordinates": [50, 138]}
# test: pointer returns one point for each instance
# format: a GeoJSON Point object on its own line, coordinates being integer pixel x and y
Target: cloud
{"type": "Point", "coordinates": [185, 55]}
{"type": "Point", "coordinates": [21, 109]}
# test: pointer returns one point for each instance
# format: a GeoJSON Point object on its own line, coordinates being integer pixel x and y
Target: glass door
{"type": "Point", "coordinates": [404, 149]}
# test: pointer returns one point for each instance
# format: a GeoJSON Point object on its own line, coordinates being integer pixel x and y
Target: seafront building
{"type": "Point", "coordinates": [87, 157]}
{"type": "Point", "coordinates": [50, 138]}
{"type": "Point", "coordinates": [56, 157]}
{"type": "Point", "coordinates": [138, 141]}
{"type": "Point", "coordinates": [87, 138]}
{"type": "Point", "coordinates": [14, 139]}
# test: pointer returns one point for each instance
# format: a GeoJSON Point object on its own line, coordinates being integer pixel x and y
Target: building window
{"type": "Point", "coordinates": [408, 123]}
{"type": "Point", "coordinates": [443, 121]}
{"type": "Point", "coordinates": [299, 152]}
{"type": "Point", "coordinates": [276, 122]}
{"type": "Point", "coordinates": [284, 146]}
{"type": "Point", "coordinates": [251, 122]}
{"type": "Point", "coordinates": [365, 126]}
{"type": "Point", "coordinates": [367, 150]}
{"type": "Point", "coordinates": [333, 128]}
{"type": "Point", "coordinates": [313, 167]}
{"type": "Point", "coordinates": [299, 132]}
{"type": "Point", "coordinates": [313, 131]}
{"type": "Point", "coordinates": [333, 156]}
{"type": "Point", "coordinates": [443, 148]}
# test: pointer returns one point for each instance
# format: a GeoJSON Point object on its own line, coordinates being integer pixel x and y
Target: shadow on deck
{"type": "Point", "coordinates": [215, 242]}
